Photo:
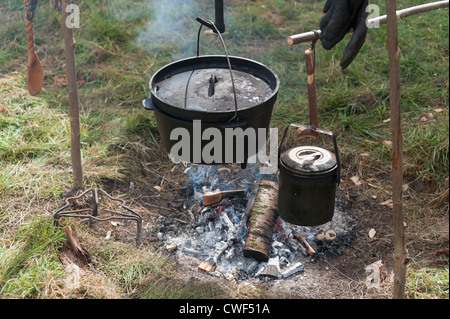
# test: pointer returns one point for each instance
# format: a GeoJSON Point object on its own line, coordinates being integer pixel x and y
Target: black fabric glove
{"type": "Point", "coordinates": [340, 17]}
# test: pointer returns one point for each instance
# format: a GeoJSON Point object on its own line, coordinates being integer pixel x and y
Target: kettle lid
{"type": "Point", "coordinates": [308, 159]}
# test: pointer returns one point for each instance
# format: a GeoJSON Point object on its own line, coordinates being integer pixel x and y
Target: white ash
{"type": "Point", "coordinates": [214, 227]}
{"type": "Point", "coordinates": [213, 232]}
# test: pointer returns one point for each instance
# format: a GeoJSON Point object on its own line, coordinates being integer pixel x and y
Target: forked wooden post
{"type": "Point", "coordinates": [69, 46]}
{"type": "Point", "coordinates": [311, 78]}
{"type": "Point", "coordinates": [400, 255]}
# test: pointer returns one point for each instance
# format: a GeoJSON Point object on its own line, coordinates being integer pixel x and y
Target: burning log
{"type": "Point", "coordinates": [263, 216]}
{"type": "Point", "coordinates": [210, 198]}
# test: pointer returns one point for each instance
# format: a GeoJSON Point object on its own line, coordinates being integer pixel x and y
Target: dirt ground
{"type": "Point", "coordinates": [324, 277]}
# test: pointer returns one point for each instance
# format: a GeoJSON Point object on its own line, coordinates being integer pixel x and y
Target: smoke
{"type": "Point", "coordinates": [172, 28]}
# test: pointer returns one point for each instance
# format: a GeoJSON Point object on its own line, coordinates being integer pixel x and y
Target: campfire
{"type": "Point", "coordinates": [236, 231]}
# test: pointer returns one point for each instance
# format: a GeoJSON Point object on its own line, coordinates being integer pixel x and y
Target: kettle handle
{"type": "Point", "coordinates": [312, 131]}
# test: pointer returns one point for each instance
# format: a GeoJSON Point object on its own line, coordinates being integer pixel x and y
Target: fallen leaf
{"type": "Point", "coordinates": [387, 143]}
{"type": "Point", "coordinates": [4, 109]}
{"type": "Point", "coordinates": [439, 83]}
{"type": "Point", "coordinates": [440, 110]}
{"type": "Point", "coordinates": [159, 188]}
{"type": "Point", "coordinates": [387, 203]}
{"type": "Point", "coordinates": [427, 117]}
{"type": "Point", "coordinates": [364, 154]}
{"type": "Point", "coordinates": [355, 180]}
{"type": "Point", "coordinates": [60, 81]}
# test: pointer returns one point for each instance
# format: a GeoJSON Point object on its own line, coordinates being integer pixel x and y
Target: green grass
{"type": "Point", "coordinates": [121, 43]}
{"type": "Point", "coordinates": [428, 283]}
{"type": "Point", "coordinates": [31, 261]}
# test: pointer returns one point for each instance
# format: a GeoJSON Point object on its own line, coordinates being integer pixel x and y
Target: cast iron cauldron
{"type": "Point", "coordinates": [307, 181]}
{"type": "Point", "coordinates": [202, 88]}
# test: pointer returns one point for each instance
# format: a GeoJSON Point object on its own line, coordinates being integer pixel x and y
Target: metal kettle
{"type": "Point", "coordinates": [307, 181]}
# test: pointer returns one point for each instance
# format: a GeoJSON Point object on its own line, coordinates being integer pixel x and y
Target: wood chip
{"type": "Point", "coordinates": [224, 169]}
{"type": "Point", "coordinates": [320, 236]}
{"type": "Point", "coordinates": [159, 188]}
{"type": "Point", "coordinates": [330, 235]}
{"type": "Point", "coordinates": [356, 181]}
{"type": "Point", "coordinates": [187, 169]}
{"type": "Point", "coordinates": [372, 233]}
{"type": "Point", "coordinates": [387, 203]}
{"type": "Point", "coordinates": [171, 247]}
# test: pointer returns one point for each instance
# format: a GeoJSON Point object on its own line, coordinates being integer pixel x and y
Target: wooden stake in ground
{"type": "Point", "coordinates": [263, 216]}
{"type": "Point", "coordinates": [69, 46]}
{"type": "Point", "coordinates": [400, 255]}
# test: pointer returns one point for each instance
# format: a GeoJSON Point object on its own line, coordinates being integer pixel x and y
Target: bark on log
{"type": "Point", "coordinates": [263, 216]}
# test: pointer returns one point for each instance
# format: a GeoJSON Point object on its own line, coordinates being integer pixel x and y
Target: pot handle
{"type": "Point", "coordinates": [148, 104]}
{"type": "Point", "coordinates": [212, 26]}
{"type": "Point", "coordinates": [312, 131]}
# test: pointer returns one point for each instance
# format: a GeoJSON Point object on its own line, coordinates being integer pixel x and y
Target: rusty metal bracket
{"type": "Point", "coordinates": [94, 210]}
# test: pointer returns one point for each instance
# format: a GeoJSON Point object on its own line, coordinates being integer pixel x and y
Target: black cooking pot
{"type": "Point", "coordinates": [202, 89]}
{"type": "Point", "coordinates": [307, 181]}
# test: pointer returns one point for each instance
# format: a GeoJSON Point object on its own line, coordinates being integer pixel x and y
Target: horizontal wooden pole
{"type": "Point", "coordinates": [314, 35]}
